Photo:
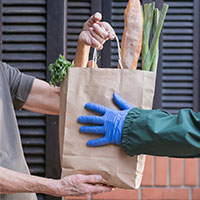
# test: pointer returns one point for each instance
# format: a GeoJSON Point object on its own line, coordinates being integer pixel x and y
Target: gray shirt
{"type": "Point", "coordinates": [14, 90]}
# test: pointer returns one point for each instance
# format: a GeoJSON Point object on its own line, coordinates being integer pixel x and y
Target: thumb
{"type": "Point", "coordinates": [121, 102]}
{"type": "Point", "coordinates": [92, 178]}
{"type": "Point", "coordinates": [97, 17]}
{"type": "Point", "coordinates": [94, 18]}
{"type": "Point", "coordinates": [97, 142]}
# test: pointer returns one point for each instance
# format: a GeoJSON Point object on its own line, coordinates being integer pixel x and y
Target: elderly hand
{"type": "Point", "coordinates": [110, 124]}
{"type": "Point", "coordinates": [77, 185]}
{"type": "Point", "coordinates": [95, 33]}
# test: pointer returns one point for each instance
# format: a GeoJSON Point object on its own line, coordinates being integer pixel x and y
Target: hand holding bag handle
{"type": "Point", "coordinates": [94, 58]}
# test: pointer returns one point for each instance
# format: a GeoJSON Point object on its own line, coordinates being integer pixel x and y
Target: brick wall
{"type": "Point", "coordinates": [164, 178]}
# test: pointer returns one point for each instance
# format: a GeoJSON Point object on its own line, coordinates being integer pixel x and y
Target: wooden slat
{"type": "Point", "coordinates": [23, 47]}
{"type": "Point", "coordinates": [33, 141]}
{"type": "Point", "coordinates": [177, 106]}
{"type": "Point", "coordinates": [180, 18]}
{"type": "Point", "coordinates": [34, 150]}
{"type": "Point", "coordinates": [178, 31]}
{"type": "Point", "coordinates": [178, 58]}
{"type": "Point", "coordinates": [181, 64]}
{"type": "Point", "coordinates": [118, 11]}
{"type": "Point", "coordinates": [177, 91]}
{"type": "Point", "coordinates": [119, 4]}
{"type": "Point", "coordinates": [33, 132]}
{"type": "Point", "coordinates": [178, 71]}
{"type": "Point", "coordinates": [22, 37]}
{"type": "Point", "coordinates": [177, 78]}
{"type": "Point", "coordinates": [20, 10]}
{"type": "Point", "coordinates": [76, 18]}
{"type": "Point", "coordinates": [27, 66]}
{"type": "Point", "coordinates": [177, 98]}
{"type": "Point", "coordinates": [78, 11]}
{"type": "Point", "coordinates": [18, 19]}
{"type": "Point", "coordinates": [180, 11]}
{"type": "Point", "coordinates": [178, 4]}
{"type": "Point", "coordinates": [177, 85]}
{"type": "Point", "coordinates": [21, 2]}
{"type": "Point", "coordinates": [185, 51]}
{"type": "Point", "coordinates": [24, 57]}
{"type": "Point", "coordinates": [179, 24]}
{"type": "Point", "coordinates": [31, 122]}
{"type": "Point", "coordinates": [24, 29]}
{"type": "Point", "coordinates": [79, 4]}
{"type": "Point", "coordinates": [35, 160]}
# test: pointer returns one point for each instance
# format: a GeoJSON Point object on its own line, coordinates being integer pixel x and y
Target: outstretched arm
{"type": "Point", "coordinates": [46, 99]}
{"type": "Point", "coordinates": [157, 132]}
{"type": "Point", "coordinates": [14, 182]}
{"type": "Point", "coordinates": [139, 131]}
{"type": "Point", "coordinates": [43, 98]}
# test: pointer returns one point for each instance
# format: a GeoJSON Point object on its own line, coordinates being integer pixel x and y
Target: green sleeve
{"type": "Point", "coordinates": [157, 132]}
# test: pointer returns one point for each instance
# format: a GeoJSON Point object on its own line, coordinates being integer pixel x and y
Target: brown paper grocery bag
{"type": "Point", "coordinates": [84, 85]}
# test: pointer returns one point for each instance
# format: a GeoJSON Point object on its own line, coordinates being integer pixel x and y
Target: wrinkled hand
{"type": "Point", "coordinates": [110, 124]}
{"type": "Point", "coordinates": [95, 33]}
{"type": "Point", "coordinates": [77, 185]}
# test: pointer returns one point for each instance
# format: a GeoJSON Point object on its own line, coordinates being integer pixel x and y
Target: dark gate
{"type": "Point", "coordinates": [29, 29]}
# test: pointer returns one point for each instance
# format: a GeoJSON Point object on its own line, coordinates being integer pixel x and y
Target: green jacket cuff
{"type": "Point", "coordinates": [157, 132]}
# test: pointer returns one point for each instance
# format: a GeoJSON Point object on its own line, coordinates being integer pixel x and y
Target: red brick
{"type": "Point", "coordinates": [196, 194]}
{"type": "Point", "coordinates": [199, 170]}
{"type": "Point", "coordinates": [118, 194]}
{"type": "Point", "coordinates": [147, 179]}
{"type": "Point", "coordinates": [77, 198]}
{"type": "Point", "coordinates": [161, 169]}
{"type": "Point", "coordinates": [165, 194]}
{"type": "Point", "coordinates": [190, 172]}
{"type": "Point", "coordinates": [176, 172]}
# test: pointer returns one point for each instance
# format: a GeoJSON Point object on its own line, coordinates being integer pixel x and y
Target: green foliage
{"type": "Point", "coordinates": [59, 70]}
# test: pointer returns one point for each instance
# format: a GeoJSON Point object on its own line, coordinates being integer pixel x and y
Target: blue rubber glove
{"type": "Point", "coordinates": [110, 124]}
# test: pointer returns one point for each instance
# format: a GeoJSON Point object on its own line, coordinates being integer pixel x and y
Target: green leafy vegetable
{"type": "Point", "coordinates": [147, 25]}
{"type": "Point", "coordinates": [59, 70]}
{"type": "Point", "coordinates": [150, 55]}
{"type": "Point", "coordinates": [156, 57]}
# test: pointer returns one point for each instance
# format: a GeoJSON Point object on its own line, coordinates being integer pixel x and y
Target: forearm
{"type": "Point", "coordinates": [14, 182]}
{"type": "Point", "coordinates": [43, 98]}
{"type": "Point", "coordinates": [159, 133]}
{"type": "Point", "coordinates": [82, 55]}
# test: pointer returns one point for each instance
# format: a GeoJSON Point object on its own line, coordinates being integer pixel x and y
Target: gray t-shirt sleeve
{"type": "Point", "coordinates": [20, 85]}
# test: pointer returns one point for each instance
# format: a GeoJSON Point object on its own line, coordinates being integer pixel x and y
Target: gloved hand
{"type": "Point", "coordinates": [110, 124]}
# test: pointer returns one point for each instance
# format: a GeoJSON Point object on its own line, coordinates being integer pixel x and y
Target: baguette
{"type": "Point", "coordinates": [132, 35]}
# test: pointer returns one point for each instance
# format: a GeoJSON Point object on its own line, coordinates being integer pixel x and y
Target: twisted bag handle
{"type": "Point", "coordinates": [94, 58]}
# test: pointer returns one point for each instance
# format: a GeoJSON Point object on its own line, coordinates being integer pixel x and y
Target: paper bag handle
{"type": "Point", "coordinates": [94, 58]}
